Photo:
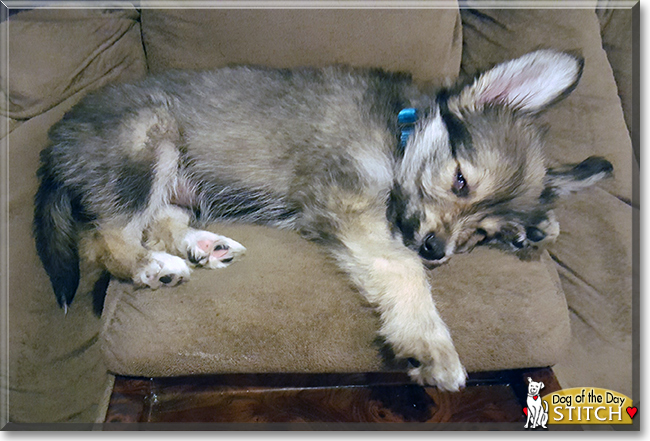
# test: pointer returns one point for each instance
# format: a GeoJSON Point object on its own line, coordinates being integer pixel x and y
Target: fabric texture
{"type": "Point", "coordinates": [425, 43]}
{"type": "Point", "coordinates": [616, 30]}
{"type": "Point", "coordinates": [286, 308]}
{"type": "Point", "coordinates": [55, 366]}
{"type": "Point", "coordinates": [594, 251]}
{"type": "Point", "coordinates": [57, 53]}
{"type": "Point", "coordinates": [56, 371]}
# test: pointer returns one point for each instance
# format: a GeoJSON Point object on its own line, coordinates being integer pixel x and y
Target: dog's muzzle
{"type": "Point", "coordinates": [432, 248]}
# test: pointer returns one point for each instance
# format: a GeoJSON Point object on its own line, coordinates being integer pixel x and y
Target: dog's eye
{"type": "Point", "coordinates": [460, 187]}
{"type": "Point", "coordinates": [518, 243]}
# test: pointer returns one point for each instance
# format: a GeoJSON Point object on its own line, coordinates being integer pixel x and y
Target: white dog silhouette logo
{"type": "Point", "coordinates": [536, 412]}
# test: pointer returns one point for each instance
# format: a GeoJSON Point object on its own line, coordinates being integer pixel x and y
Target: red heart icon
{"type": "Point", "coordinates": [526, 411]}
{"type": "Point", "coordinates": [631, 411]}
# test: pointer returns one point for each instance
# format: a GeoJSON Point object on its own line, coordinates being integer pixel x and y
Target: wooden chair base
{"type": "Point", "coordinates": [287, 400]}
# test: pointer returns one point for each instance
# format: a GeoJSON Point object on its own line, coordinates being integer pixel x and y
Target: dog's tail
{"type": "Point", "coordinates": [56, 234]}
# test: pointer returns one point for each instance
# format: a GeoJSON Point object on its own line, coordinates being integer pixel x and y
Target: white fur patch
{"type": "Point", "coordinates": [163, 269]}
{"type": "Point", "coordinates": [432, 137]}
{"type": "Point", "coordinates": [378, 168]}
{"type": "Point", "coordinates": [434, 133]}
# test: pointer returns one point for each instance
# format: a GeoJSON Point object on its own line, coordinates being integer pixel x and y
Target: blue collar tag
{"type": "Point", "coordinates": [406, 119]}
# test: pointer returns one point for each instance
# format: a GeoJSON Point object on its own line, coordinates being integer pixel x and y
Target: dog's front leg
{"type": "Point", "coordinates": [529, 418]}
{"type": "Point", "coordinates": [539, 414]}
{"type": "Point", "coordinates": [532, 417]}
{"type": "Point", "coordinates": [393, 278]}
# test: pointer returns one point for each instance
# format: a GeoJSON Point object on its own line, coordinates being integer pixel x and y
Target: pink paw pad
{"type": "Point", "coordinates": [209, 250]}
{"type": "Point", "coordinates": [205, 245]}
{"type": "Point", "coordinates": [219, 253]}
{"type": "Point", "coordinates": [208, 246]}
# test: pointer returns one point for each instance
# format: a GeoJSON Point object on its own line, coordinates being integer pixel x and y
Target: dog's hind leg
{"type": "Point", "coordinates": [117, 240]}
{"type": "Point", "coordinates": [120, 251]}
{"type": "Point", "coordinates": [170, 231]}
{"type": "Point", "coordinates": [393, 278]}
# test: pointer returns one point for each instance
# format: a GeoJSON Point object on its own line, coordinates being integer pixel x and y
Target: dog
{"type": "Point", "coordinates": [537, 413]}
{"type": "Point", "coordinates": [390, 179]}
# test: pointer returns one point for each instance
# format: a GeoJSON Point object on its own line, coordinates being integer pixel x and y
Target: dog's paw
{"type": "Point", "coordinates": [450, 378]}
{"type": "Point", "coordinates": [441, 367]}
{"type": "Point", "coordinates": [209, 250]}
{"type": "Point", "coordinates": [162, 270]}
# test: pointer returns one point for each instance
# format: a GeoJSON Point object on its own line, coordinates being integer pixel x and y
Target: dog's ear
{"type": "Point", "coordinates": [571, 178]}
{"type": "Point", "coordinates": [529, 83]}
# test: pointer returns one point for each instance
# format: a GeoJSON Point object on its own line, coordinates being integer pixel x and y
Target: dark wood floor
{"type": "Point", "coordinates": [323, 398]}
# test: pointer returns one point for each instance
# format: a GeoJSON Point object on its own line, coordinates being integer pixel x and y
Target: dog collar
{"type": "Point", "coordinates": [406, 120]}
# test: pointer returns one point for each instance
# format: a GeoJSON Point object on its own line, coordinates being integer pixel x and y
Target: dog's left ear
{"type": "Point", "coordinates": [571, 178]}
{"type": "Point", "coordinates": [529, 83]}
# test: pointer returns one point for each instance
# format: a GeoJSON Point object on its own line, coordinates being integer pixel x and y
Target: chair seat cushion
{"type": "Point", "coordinates": [286, 308]}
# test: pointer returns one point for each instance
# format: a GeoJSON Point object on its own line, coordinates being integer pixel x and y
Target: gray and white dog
{"type": "Point", "coordinates": [327, 152]}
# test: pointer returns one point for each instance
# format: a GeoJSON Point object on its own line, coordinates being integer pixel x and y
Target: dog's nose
{"type": "Point", "coordinates": [432, 248]}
